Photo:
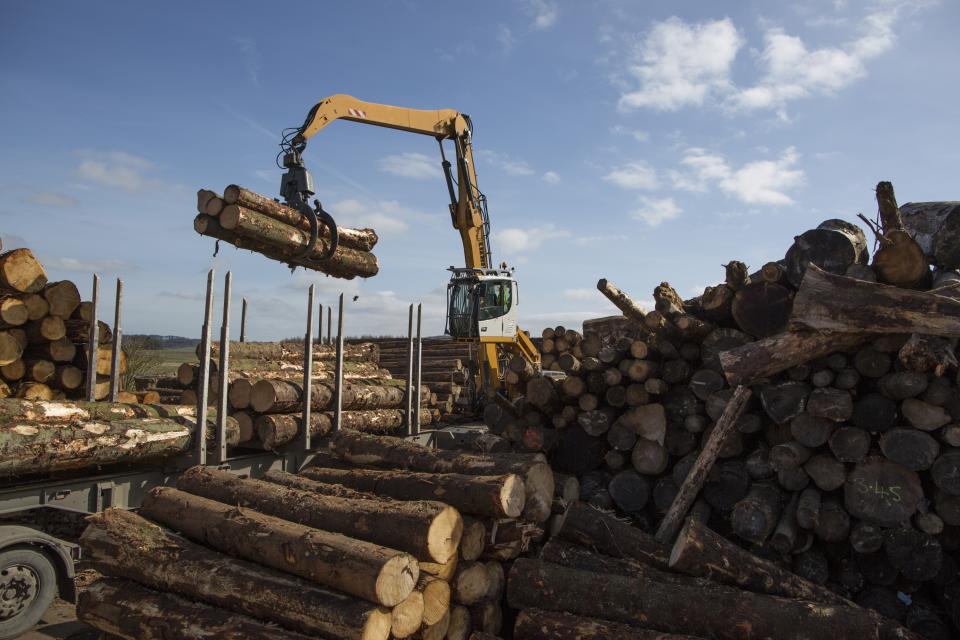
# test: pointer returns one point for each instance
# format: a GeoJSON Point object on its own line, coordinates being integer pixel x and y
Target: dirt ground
{"type": "Point", "coordinates": [60, 623]}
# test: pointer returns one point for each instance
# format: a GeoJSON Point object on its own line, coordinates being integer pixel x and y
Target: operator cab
{"type": "Point", "coordinates": [482, 303]}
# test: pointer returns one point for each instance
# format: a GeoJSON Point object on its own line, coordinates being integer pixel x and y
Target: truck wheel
{"type": "Point", "coordinates": [28, 584]}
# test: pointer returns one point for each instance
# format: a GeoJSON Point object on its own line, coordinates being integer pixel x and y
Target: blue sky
{"type": "Point", "coordinates": [636, 141]}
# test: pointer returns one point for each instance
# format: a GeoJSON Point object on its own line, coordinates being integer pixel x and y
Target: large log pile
{"type": "Point", "coordinates": [44, 335]}
{"type": "Point", "coordinates": [841, 466]}
{"type": "Point", "coordinates": [386, 540]}
{"type": "Point", "coordinates": [254, 222]}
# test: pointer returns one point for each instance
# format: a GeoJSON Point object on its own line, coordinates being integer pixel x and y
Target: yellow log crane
{"type": "Point", "coordinates": [481, 300]}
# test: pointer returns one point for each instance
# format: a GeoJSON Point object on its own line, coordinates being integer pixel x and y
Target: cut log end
{"type": "Point", "coordinates": [397, 579]}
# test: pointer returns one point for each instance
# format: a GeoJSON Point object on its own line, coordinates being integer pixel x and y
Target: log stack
{"type": "Point", "coordinates": [408, 543]}
{"type": "Point", "coordinates": [842, 464]}
{"type": "Point", "coordinates": [263, 225]}
{"type": "Point", "coordinates": [44, 333]}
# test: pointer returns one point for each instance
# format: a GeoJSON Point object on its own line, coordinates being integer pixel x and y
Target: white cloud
{"type": "Point", "coordinates": [679, 64]}
{"type": "Point", "coordinates": [636, 134]}
{"type": "Point", "coordinates": [580, 294]}
{"type": "Point", "coordinates": [251, 58]}
{"type": "Point", "coordinates": [514, 240]}
{"type": "Point", "coordinates": [116, 169]}
{"type": "Point", "coordinates": [87, 266]}
{"type": "Point", "coordinates": [505, 38]}
{"type": "Point", "coordinates": [634, 175]}
{"type": "Point", "coordinates": [50, 199]}
{"type": "Point", "coordinates": [759, 182]}
{"type": "Point", "coordinates": [180, 295]}
{"type": "Point", "coordinates": [410, 165]}
{"type": "Point", "coordinates": [384, 216]}
{"type": "Point", "coordinates": [544, 13]}
{"type": "Point", "coordinates": [507, 164]}
{"type": "Point", "coordinates": [551, 177]}
{"type": "Point", "coordinates": [654, 211]}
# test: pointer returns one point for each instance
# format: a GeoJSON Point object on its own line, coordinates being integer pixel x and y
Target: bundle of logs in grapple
{"type": "Point", "coordinates": [44, 335]}
{"type": "Point", "coordinates": [265, 392]}
{"type": "Point", "coordinates": [386, 540]}
{"type": "Point", "coordinates": [260, 224]}
{"type": "Point", "coordinates": [843, 466]}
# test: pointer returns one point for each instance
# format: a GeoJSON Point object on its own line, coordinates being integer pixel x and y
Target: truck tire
{"type": "Point", "coordinates": [28, 584]}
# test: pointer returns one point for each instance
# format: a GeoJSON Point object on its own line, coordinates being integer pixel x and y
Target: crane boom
{"type": "Point", "coordinates": [468, 205]}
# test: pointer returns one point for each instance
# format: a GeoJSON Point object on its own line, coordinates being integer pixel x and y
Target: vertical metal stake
{"type": "Point", "coordinates": [223, 371]}
{"type": "Point", "coordinates": [203, 382]}
{"type": "Point", "coordinates": [243, 321]}
{"type": "Point", "coordinates": [338, 393]}
{"type": "Point", "coordinates": [409, 396]}
{"type": "Point", "coordinates": [418, 362]}
{"type": "Point", "coordinates": [93, 342]}
{"type": "Point", "coordinates": [307, 372]}
{"type": "Point", "coordinates": [330, 324]}
{"type": "Point", "coordinates": [320, 325]}
{"type": "Point", "coordinates": [115, 355]}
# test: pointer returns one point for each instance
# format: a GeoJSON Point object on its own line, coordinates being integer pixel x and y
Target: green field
{"type": "Point", "coordinates": [165, 361]}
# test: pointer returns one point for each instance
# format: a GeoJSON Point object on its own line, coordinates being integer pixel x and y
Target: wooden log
{"type": "Point", "coordinates": [936, 228]}
{"type": "Point", "coordinates": [124, 609]}
{"type": "Point", "coordinates": [899, 260]}
{"type": "Point", "coordinates": [913, 449]}
{"type": "Point", "coordinates": [882, 492]}
{"type": "Point", "coordinates": [20, 271]}
{"type": "Point", "coordinates": [537, 624]}
{"type": "Point", "coordinates": [63, 298]}
{"type": "Point", "coordinates": [762, 309]}
{"type": "Point", "coordinates": [428, 530]}
{"type": "Point", "coordinates": [368, 571]}
{"type": "Point", "coordinates": [126, 545]}
{"type": "Point", "coordinates": [833, 246]}
{"type": "Point", "coordinates": [31, 391]}
{"type": "Point", "coordinates": [590, 528]}
{"type": "Point", "coordinates": [621, 301]}
{"type": "Point", "coordinates": [946, 472]}
{"type": "Point", "coordinates": [826, 471]}
{"type": "Point", "coordinates": [282, 396]}
{"type": "Point", "coordinates": [13, 312]}
{"type": "Point", "coordinates": [700, 552]}
{"type": "Point", "coordinates": [460, 623]}
{"type": "Point", "coordinates": [925, 354]}
{"type": "Point", "coordinates": [359, 239]}
{"type": "Point", "coordinates": [811, 431]}
{"type": "Point", "coordinates": [393, 453]}
{"type": "Point", "coordinates": [407, 617]}
{"type": "Point", "coordinates": [694, 481]}
{"type": "Point", "coordinates": [858, 307]}
{"type": "Point", "coordinates": [62, 350]}
{"type": "Point", "coordinates": [499, 496]}
{"type": "Point", "coordinates": [667, 607]}
{"type": "Point", "coordinates": [470, 583]}
{"type": "Point", "coordinates": [832, 404]}
{"type": "Point", "coordinates": [263, 234]}
{"type": "Point", "coordinates": [757, 514]}
{"type": "Point", "coordinates": [784, 401]}
{"type": "Point", "coordinates": [917, 555]}
{"type": "Point", "coordinates": [47, 329]}
{"type": "Point", "coordinates": [767, 357]}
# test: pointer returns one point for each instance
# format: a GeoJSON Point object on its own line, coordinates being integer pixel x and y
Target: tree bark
{"type": "Point", "coordinates": [276, 430]}
{"type": "Point", "coordinates": [20, 271]}
{"type": "Point", "coordinates": [499, 496]}
{"type": "Point", "coordinates": [588, 527]}
{"type": "Point", "coordinates": [827, 302]}
{"type": "Point", "coordinates": [936, 228]}
{"type": "Point", "coordinates": [359, 239]}
{"type": "Point", "coordinates": [124, 609]}
{"type": "Point", "coordinates": [537, 624]}
{"type": "Point", "coordinates": [281, 396]}
{"type": "Point", "coordinates": [428, 530]}
{"type": "Point", "coordinates": [293, 352]}
{"type": "Point", "coordinates": [362, 569]}
{"type": "Point", "coordinates": [127, 546]}
{"type": "Point", "coordinates": [767, 357]}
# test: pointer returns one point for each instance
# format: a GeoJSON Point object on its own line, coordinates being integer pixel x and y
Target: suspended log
{"type": "Point", "coordinates": [20, 271]}
{"type": "Point", "coordinates": [500, 496]}
{"type": "Point", "coordinates": [621, 301]}
{"type": "Point", "coordinates": [428, 530]}
{"type": "Point", "coordinates": [127, 546]}
{"type": "Point", "coordinates": [359, 239]}
{"type": "Point", "coordinates": [124, 609]}
{"type": "Point", "coordinates": [362, 569]}
{"type": "Point", "coordinates": [828, 302]}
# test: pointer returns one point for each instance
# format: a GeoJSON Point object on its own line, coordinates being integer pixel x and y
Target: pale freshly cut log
{"type": "Point", "coordinates": [428, 530]}
{"type": "Point", "coordinates": [374, 573]}
{"type": "Point", "coordinates": [407, 616]}
{"type": "Point", "coordinates": [63, 298]}
{"type": "Point", "coordinates": [126, 545]}
{"type": "Point", "coordinates": [280, 396]}
{"type": "Point", "coordinates": [500, 496]}
{"type": "Point", "coordinates": [275, 430]}
{"type": "Point", "coordinates": [360, 239]}
{"type": "Point", "coordinates": [10, 348]}
{"type": "Point", "coordinates": [436, 598]}
{"type": "Point", "coordinates": [125, 609]}
{"type": "Point", "coordinates": [293, 351]}
{"type": "Point", "coordinates": [20, 271]}
{"type": "Point", "coordinates": [13, 312]}
{"type": "Point", "coordinates": [37, 305]}
{"type": "Point", "coordinates": [46, 329]}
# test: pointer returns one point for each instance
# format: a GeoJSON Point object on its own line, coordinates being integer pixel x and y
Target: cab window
{"type": "Point", "coordinates": [495, 300]}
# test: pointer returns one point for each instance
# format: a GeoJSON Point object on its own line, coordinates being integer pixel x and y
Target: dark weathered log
{"type": "Point", "coordinates": [788, 455]}
{"type": "Point", "coordinates": [833, 246]}
{"type": "Point", "coordinates": [917, 555]}
{"type": "Point", "coordinates": [946, 472]}
{"type": "Point", "coordinates": [882, 492]}
{"type": "Point", "coordinates": [866, 538]}
{"type": "Point", "coordinates": [499, 496]}
{"type": "Point", "coordinates": [542, 394]}
{"type": "Point", "coordinates": [833, 525]}
{"type": "Point", "coordinates": [936, 228]}
{"type": "Point", "coordinates": [716, 303]}
{"type": "Point", "coordinates": [899, 260]}
{"type": "Point", "coordinates": [762, 309]}
{"type": "Point", "coordinates": [125, 609]}
{"type": "Point", "coordinates": [594, 529]}
{"type": "Point", "coordinates": [366, 570]}
{"type": "Point", "coordinates": [770, 356]}
{"type": "Point", "coordinates": [648, 421]}
{"type": "Point", "coordinates": [596, 422]}
{"type": "Point", "coordinates": [784, 401]}
{"type": "Point", "coordinates": [621, 301]}
{"type": "Point", "coordinates": [428, 530]}
{"type": "Point", "coordinates": [811, 431]}
{"type": "Point", "coordinates": [784, 536]}
{"type": "Point", "coordinates": [874, 412]}
{"type": "Point", "coordinates": [757, 514]}
{"type": "Point", "coordinates": [126, 545]}
{"type": "Point", "coordinates": [700, 552]}
{"type": "Point", "coordinates": [927, 354]}
{"type": "Point", "coordinates": [649, 457]}
{"type": "Point", "coordinates": [829, 403]}
{"type": "Point", "coordinates": [721, 614]}
{"type": "Point", "coordinates": [828, 302]}
{"type": "Point", "coordinates": [912, 448]}
{"type": "Point", "coordinates": [359, 239]}
{"type": "Point", "coordinates": [826, 471]}
{"type": "Point", "coordinates": [536, 624]}
{"type": "Point", "coordinates": [629, 491]}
